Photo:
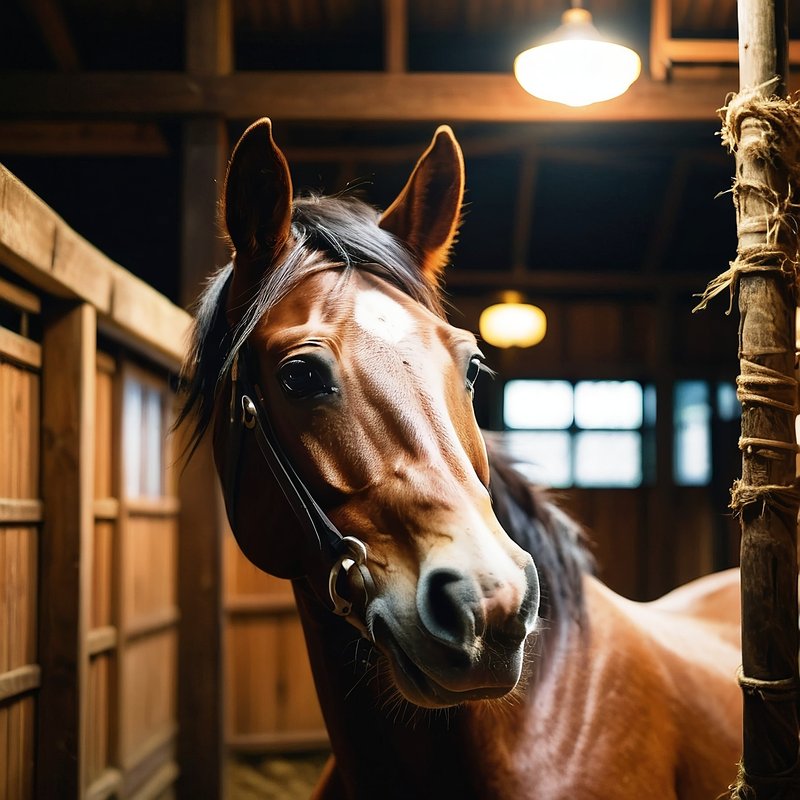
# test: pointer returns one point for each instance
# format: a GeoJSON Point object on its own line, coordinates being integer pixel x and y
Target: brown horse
{"type": "Point", "coordinates": [459, 643]}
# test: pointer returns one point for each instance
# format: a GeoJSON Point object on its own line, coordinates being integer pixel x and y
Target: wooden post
{"type": "Point", "coordinates": [68, 394]}
{"type": "Point", "coordinates": [766, 496]}
{"type": "Point", "coordinates": [209, 52]}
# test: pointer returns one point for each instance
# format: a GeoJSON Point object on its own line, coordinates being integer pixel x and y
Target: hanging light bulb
{"type": "Point", "coordinates": [575, 66]}
{"type": "Point", "coordinates": [512, 323]}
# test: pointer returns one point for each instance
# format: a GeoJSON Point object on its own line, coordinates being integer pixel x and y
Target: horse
{"type": "Point", "coordinates": [459, 641]}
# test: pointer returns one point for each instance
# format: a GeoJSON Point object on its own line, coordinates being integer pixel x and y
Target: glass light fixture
{"type": "Point", "coordinates": [512, 323]}
{"type": "Point", "coordinates": [575, 66]}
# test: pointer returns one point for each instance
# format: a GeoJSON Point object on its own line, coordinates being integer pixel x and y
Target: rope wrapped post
{"type": "Point", "coordinates": [762, 130]}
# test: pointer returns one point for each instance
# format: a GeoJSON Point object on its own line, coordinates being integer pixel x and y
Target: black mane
{"type": "Point", "coordinates": [343, 232]}
{"type": "Point", "coordinates": [557, 542]}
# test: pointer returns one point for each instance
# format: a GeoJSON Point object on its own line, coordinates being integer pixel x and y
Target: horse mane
{"type": "Point", "coordinates": [557, 543]}
{"type": "Point", "coordinates": [327, 231]}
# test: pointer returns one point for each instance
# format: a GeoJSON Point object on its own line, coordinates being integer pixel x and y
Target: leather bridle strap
{"type": "Point", "coordinates": [248, 414]}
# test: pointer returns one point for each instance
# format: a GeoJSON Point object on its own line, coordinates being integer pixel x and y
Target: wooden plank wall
{"type": "Point", "coordinates": [271, 703]}
{"type": "Point", "coordinates": [95, 582]}
{"type": "Point", "coordinates": [90, 627]}
{"type": "Point", "coordinates": [20, 526]}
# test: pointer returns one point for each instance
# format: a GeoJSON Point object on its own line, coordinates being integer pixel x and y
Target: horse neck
{"type": "Point", "coordinates": [383, 746]}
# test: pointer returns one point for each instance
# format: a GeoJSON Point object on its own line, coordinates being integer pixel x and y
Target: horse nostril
{"type": "Point", "coordinates": [448, 603]}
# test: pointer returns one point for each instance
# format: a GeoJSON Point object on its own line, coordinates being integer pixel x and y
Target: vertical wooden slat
{"type": "Point", "coordinates": [68, 376]}
{"type": "Point", "coordinates": [117, 722]}
{"type": "Point", "coordinates": [4, 770]}
{"type": "Point", "coordinates": [200, 646]}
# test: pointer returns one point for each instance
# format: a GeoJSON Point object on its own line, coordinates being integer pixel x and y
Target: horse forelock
{"type": "Point", "coordinates": [327, 231]}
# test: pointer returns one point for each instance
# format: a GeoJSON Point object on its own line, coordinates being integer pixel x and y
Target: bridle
{"type": "Point", "coordinates": [248, 417]}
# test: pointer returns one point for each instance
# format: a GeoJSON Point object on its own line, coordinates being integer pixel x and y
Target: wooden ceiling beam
{"type": "Point", "coordinates": [68, 137]}
{"type": "Point", "coordinates": [572, 282]}
{"type": "Point", "coordinates": [49, 18]}
{"type": "Point", "coordinates": [345, 97]}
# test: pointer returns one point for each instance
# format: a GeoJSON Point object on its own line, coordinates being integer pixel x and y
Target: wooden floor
{"type": "Point", "coordinates": [285, 777]}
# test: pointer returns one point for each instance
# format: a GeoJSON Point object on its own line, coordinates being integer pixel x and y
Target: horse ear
{"type": "Point", "coordinates": [257, 207]}
{"type": "Point", "coordinates": [426, 214]}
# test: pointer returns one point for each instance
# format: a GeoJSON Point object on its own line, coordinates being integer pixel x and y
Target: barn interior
{"type": "Point", "coordinates": [611, 218]}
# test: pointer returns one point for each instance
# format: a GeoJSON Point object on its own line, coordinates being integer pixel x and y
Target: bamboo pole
{"type": "Point", "coordinates": [760, 129]}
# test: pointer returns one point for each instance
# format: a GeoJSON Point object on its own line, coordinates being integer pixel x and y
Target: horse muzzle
{"type": "Point", "coordinates": [463, 640]}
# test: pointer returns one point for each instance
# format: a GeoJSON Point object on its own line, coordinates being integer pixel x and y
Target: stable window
{"type": "Point", "coordinates": [602, 433]}
{"type": "Point", "coordinates": [697, 407]}
{"type": "Point", "coordinates": [145, 430]}
{"type": "Point", "coordinates": [588, 433]}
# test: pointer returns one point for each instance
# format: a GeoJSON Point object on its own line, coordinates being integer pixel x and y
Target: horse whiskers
{"type": "Point", "coordinates": [368, 664]}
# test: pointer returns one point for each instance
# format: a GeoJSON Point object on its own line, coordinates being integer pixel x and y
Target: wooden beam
{"type": "Point", "coordinates": [660, 32]}
{"type": "Point", "coordinates": [346, 97]}
{"type": "Point", "coordinates": [712, 51]}
{"type": "Point", "coordinates": [66, 137]}
{"type": "Point", "coordinates": [68, 374]}
{"type": "Point", "coordinates": [395, 36]}
{"type": "Point", "coordinates": [20, 511]}
{"type": "Point", "coordinates": [209, 37]}
{"type": "Point", "coordinates": [576, 281]}
{"type": "Point", "coordinates": [203, 247]}
{"type": "Point", "coordinates": [48, 16]}
{"type": "Point", "coordinates": [201, 719]}
{"type": "Point", "coordinates": [19, 680]}
{"type": "Point", "coordinates": [40, 247]}
{"type": "Point", "coordinates": [20, 298]}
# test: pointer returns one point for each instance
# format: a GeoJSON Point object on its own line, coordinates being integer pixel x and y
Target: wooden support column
{"type": "Point", "coordinates": [200, 657]}
{"type": "Point", "coordinates": [766, 496]}
{"type": "Point", "coordinates": [68, 396]}
{"type": "Point", "coordinates": [209, 53]}
{"type": "Point", "coordinates": [203, 248]}
{"type": "Point", "coordinates": [395, 36]}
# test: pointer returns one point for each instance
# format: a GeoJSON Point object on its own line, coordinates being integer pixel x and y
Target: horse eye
{"type": "Point", "coordinates": [301, 378]}
{"type": "Point", "coordinates": [473, 370]}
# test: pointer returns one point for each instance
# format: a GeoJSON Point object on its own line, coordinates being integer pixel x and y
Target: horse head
{"type": "Point", "coordinates": [359, 387]}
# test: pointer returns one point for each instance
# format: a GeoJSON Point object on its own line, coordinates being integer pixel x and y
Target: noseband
{"type": "Point", "coordinates": [248, 417]}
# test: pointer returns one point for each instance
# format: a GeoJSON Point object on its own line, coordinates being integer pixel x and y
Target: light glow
{"type": "Point", "coordinates": [513, 325]}
{"type": "Point", "coordinates": [577, 68]}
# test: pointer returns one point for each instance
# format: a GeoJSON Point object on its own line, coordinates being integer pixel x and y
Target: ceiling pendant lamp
{"type": "Point", "coordinates": [512, 323]}
{"type": "Point", "coordinates": [575, 65]}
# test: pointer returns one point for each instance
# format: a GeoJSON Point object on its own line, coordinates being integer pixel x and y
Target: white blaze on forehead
{"type": "Point", "coordinates": [382, 316]}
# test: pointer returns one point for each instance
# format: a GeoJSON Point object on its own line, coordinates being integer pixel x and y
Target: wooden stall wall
{"type": "Point", "coordinates": [271, 703]}
{"type": "Point", "coordinates": [20, 527]}
{"type": "Point", "coordinates": [90, 627]}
